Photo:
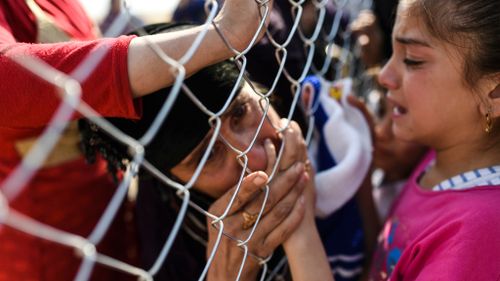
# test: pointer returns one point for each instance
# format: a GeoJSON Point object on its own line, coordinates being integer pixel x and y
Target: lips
{"type": "Point", "coordinates": [399, 110]}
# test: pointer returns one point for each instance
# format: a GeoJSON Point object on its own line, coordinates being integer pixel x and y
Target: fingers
{"type": "Point", "coordinates": [283, 184]}
{"type": "Point", "coordinates": [282, 195]}
{"type": "Point", "coordinates": [281, 210]}
{"type": "Point", "coordinates": [285, 209]}
{"type": "Point", "coordinates": [276, 225]}
{"type": "Point", "coordinates": [240, 19]}
{"type": "Point", "coordinates": [250, 187]}
{"type": "Point", "coordinates": [295, 148]}
{"type": "Point", "coordinates": [292, 215]}
{"type": "Point", "coordinates": [271, 155]}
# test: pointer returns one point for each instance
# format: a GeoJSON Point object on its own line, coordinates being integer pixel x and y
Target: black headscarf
{"type": "Point", "coordinates": [185, 126]}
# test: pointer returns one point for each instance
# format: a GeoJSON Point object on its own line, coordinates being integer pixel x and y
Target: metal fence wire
{"type": "Point", "coordinates": [70, 93]}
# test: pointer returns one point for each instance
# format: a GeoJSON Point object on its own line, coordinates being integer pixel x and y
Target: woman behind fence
{"type": "Point", "coordinates": [66, 193]}
{"type": "Point", "coordinates": [288, 219]}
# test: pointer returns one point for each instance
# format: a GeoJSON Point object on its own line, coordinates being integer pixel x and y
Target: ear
{"type": "Point", "coordinates": [494, 100]}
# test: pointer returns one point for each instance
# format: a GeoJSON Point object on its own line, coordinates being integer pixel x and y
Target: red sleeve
{"type": "Point", "coordinates": [28, 102]}
{"type": "Point", "coordinates": [20, 23]}
{"type": "Point", "coordinates": [70, 16]}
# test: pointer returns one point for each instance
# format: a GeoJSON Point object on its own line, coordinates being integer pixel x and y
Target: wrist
{"type": "Point", "coordinates": [300, 237]}
{"type": "Point", "coordinates": [231, 34]}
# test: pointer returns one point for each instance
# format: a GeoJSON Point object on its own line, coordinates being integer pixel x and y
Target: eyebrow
{"type": "Point", "coordinates": [412, 41]}
{"type": "Point", "coordinates": [200, 149]}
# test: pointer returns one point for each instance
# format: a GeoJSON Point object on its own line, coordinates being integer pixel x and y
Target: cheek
{"type": "Point", "coordinates": [216, 183]}
{"type": "Point", "coordinates": [257, 158]}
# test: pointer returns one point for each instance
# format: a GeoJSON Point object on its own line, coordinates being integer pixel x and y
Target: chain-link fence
{"type": "Point", "coordinates": [319, 40]}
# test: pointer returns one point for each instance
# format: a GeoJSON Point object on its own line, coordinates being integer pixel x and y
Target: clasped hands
{"type": "Point", "coordinates": [286, 201]}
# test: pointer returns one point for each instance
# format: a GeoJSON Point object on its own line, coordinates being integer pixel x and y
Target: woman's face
{"type": "Point", "coordinates": [432, 105]}
{"type": "Point", "coordinates": [239, 126]}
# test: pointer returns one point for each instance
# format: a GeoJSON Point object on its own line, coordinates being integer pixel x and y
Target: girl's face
{"type": "Point", "coordinates": [432, 105]}
{"type": "Point", "coordinates": [395, 157]}
{"type": "Point", "coordinates": [239, 125]}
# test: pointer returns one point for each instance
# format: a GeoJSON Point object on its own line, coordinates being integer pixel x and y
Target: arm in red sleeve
{"type": "Point", "coordinates": [29, 102]}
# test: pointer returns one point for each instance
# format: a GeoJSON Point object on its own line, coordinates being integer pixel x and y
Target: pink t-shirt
{"type": "Point", "coordinates": [445, 235]}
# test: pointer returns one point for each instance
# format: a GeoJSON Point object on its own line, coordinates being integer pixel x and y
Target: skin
{"type": "Point", "coordinates": [238, 128]}
{"type": "Point", "coordinates": [434, 107]}
{"type": "Point", "coordinates": [425, 79]}
{"type": "Point", "coordinates": [238, 20]}
{"type": "Point", "coordinates": [395, 157]}
{"type": "Point", "coordinates": [288, 217]}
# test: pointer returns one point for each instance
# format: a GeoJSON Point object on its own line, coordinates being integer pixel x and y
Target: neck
{"type": "Point", "coordinates": [453, 160]}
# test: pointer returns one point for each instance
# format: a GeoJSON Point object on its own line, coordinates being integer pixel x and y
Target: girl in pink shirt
{"type": "Point", "coordinates": [443, 80]}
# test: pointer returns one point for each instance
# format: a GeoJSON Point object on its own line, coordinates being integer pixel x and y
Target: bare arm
{"type": "Point", "coordinates": [306, 255]}
{"type": "Point", "coordinates": [238, 21]}
{"type": "Point", "coordinates": [129, 68]}
{"type": "Point", "coordinates": [304, 249]}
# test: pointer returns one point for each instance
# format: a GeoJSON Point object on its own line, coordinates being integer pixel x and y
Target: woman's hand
{"type": "Point", "coordinates": [283, 212]}
{"type": "Point", "coordinates": [239, 20]}
{"type": "Point", "coordinates": [294, 151]}
{"type": "Point", "coordinates": [285, 206]}
{"type": "Point", "coordinates": [303, 247]}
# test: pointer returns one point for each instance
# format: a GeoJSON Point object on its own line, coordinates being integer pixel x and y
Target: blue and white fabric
{"type": "Point", "coordinates": [470, 179]}
{"type": "Point", "coordinates": [345, 134]}
{"type": "Point", "coordinates": [341, 153]}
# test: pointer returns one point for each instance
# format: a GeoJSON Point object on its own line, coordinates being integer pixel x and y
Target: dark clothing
{"type": "Point", "coordinates": [157, 210]}
{"type": "Point", "coordinates": [156, 215]}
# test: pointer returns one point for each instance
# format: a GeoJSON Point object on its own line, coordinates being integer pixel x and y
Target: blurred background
{"type": "Point", "coordinates": [148, 11]}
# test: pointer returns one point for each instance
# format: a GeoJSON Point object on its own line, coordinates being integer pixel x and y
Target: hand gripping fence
{"type": "Point", "coordinates": [70, 92]}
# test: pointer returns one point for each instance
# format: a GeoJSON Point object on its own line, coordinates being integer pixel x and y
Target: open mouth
{"type": "Point", "coordinates": [399, 110]}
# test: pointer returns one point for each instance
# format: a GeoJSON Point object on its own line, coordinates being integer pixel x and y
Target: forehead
{"type": "Point", "coordinates": [411, 30]}
{"type": "Point", "coordinates": [410, 24]}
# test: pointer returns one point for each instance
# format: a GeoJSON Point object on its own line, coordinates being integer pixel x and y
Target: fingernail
{"type": "Point", "coordinates": [302, 200]}
{"type": "Point", "coordinates": [307, 177]}
{"type": "Point", "coordinates": [299, 167]}
{"type": "Point", "coordinates": [283, 123]}
{"type": "Point", "coordinates": [259, 179]}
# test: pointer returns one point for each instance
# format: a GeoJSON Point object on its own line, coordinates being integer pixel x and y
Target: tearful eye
{"type": "Point", "coordinates": [412, 63]}
{"type": "Point", "coordinates": [238, 113]}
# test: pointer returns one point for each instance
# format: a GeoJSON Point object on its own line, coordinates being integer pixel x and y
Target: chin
{"type": "Point", "coordinates": [403, 135]}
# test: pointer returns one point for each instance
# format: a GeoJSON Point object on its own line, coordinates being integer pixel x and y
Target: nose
{"type": "Point", "coordinates": [388, 77]}
{"type": "Point", "coordinates": [257, 156]}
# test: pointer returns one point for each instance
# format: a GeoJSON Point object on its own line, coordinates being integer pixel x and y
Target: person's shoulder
{"type": "Point", "coordinates": [480, 209]}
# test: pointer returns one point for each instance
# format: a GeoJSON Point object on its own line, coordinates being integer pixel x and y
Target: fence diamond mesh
{"type": "Point", "coordinates": [70, 94]}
